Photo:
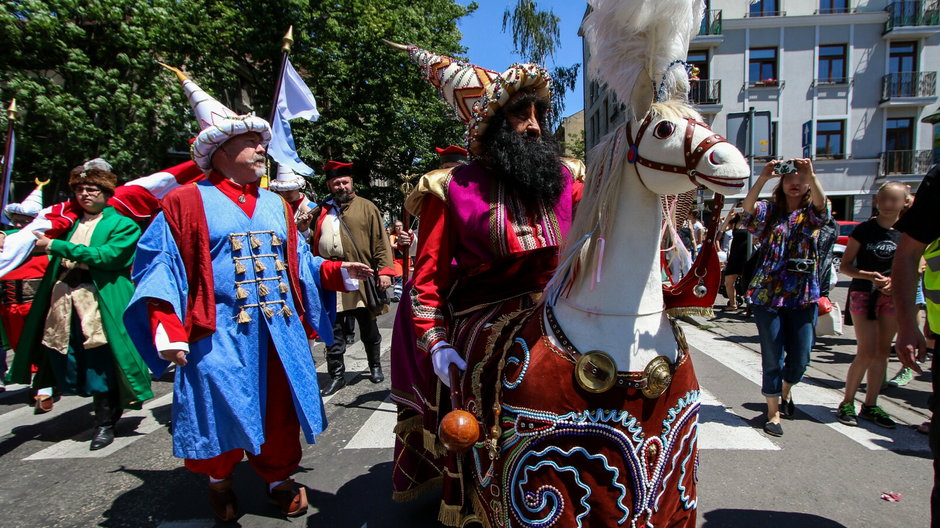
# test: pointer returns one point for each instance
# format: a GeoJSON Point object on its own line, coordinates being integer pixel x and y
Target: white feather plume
{"type": "Point", "coordinates": [627, 36]}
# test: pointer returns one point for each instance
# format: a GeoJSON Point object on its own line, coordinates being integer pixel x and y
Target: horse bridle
{"type": "Point", "coordinates": [692, 155]}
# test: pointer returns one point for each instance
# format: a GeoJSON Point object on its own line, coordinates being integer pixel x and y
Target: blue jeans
{"type": "Point", "coordinates": [785, 330]}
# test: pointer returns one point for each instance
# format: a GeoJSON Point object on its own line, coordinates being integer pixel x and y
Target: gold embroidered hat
{"type": "Point", "coordinates": [217, 123]}
{"type": "Point", "coordinates": [476, 93]}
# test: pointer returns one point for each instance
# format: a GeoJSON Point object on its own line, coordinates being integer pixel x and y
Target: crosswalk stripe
{"type": "Point", "coordinates": [24, 415]}
{"type": "Point", "coordinates": [77, 446]}
{"type": "Point", "coordinates": [818, 402]}
{"type": "Point", "coordinates": [721, 428]}
{"type": "Point", "coordinates": [377, 431]}
{"type": "Point", "coordinates": [356, 361]}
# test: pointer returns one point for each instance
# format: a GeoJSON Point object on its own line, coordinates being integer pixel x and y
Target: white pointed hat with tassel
{"type": "Point", "coordinates": [31, 206]}
{"type": "Point", "coordinates": [286, 180]}
{"type": "Point", "coordinates": [217, 123]}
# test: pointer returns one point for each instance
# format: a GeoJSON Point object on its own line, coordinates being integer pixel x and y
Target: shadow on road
{"type": "Point", "coordinates": [733, 518]}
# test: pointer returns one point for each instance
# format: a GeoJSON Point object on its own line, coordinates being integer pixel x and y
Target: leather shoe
{"type": "Point", "coordinates": [223, 500]}
{"type": "Point", "coordinates": [43, 404]}
{"type": "Point", "coordinates": [104, 435]}
{"type": "Point", "coordinates": [375, 374]}
{"type": "Point", "coordinates": [335, 385]}
{"type": "Point", "coordinates": [290, 497]}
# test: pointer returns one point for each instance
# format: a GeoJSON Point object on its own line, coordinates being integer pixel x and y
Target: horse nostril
{"type": "Point", "coordinates": [716, 158]}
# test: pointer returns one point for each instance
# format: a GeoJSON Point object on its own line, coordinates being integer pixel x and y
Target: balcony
{"type": "Point", "coordinates": [705, 94]}
{"type": "Point", "coordinates": [909, 19]}
{"type": "Point", "coordinates": [709, 33]}
{"type": "Point", "coordinates": [901, 163]}
{"type": "Point", "coordinates": [908, 89]}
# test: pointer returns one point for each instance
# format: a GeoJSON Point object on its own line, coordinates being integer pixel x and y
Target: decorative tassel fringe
{"type": "Point", "coordinates": [275, 241]}
{"type": "Point", "coordinates": [415, 492]}
{"type": "Point", "coordinates": [450, 515]}
{"type": "Point", "coordinates": [700, 311]}
{"type": "Point", "coordinates": [239, 267]}
{"type": "Point", "coordinates": [279, 265]}
{"type": "Point", "coordinates": [283, 287]}
{"type": "Point", "coordinates": [236, 243]}
{"type": "Point", "coordinates": [255, 243]}
{"type": "Point", "coordinates": [259, 266]}
{"type": "Point", "coordinates": [262, 289]}
{"type": "Point", "coordinates": [286, 311]}
{"type": "Point", "coordinates": [243, 316]}
{"type": "Point", "coordinates": [268, 311]}
{"type": "Point", "coordinates": [241, 293]}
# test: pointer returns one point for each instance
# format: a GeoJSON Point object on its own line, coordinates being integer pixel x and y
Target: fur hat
{"type": "Point", "coordinates": [94, 172]}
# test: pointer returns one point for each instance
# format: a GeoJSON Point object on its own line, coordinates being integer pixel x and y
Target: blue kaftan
{"type": "Point", "coordinates": [219, 397]}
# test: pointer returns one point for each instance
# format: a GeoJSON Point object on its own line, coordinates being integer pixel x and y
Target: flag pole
{"type": "Point", "coordinates": [286, 42]}
{"type": "Point", "coordinates": [11, 121]}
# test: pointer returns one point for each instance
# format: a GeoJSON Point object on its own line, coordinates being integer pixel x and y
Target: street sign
{"type": "Point", "coordinates": [807, 141]}
{"type": "Point", "coordinates": [739, 133]}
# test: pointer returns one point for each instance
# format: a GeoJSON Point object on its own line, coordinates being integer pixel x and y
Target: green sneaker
{"type": "Point", "coordinates": [902, 378]}
{"type": "Point", "coordinates": [846, 414]}
{"type": "Point", "coordinates": [877, 416]}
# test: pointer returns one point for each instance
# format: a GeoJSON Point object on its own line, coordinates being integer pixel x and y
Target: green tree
{"type": "Point", "coordinates": [536, 36]}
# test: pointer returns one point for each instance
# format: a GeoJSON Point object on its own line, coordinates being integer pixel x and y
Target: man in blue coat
{"type": "Point", "coordinates": [225, 296]}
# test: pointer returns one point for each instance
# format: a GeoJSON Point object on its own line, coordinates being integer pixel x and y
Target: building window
{"type": "Point", "coordinates": [899, 134]}
{"type": "Point", "coordinates": [902, 57]}
{"type": "Point", "coordinates": [762, 69]}
{"type": "Point", "coordinates": [832, 64]}
{"type": "Point", "coordinates": [833, 6]}
{"type": "Point", "coordinates": [830, 139]}
{"type": "Point", "coordinates": [765, 8]}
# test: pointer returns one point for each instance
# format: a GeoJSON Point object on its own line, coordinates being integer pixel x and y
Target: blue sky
{"type": "Point", "coordinates": [489, 47]}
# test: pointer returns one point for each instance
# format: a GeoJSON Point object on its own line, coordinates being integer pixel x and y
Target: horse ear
{"type": "Point", "coordinates": [641, 99]}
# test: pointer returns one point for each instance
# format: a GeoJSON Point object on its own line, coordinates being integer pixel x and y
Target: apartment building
{"type": "Point", "coordinates": [846, 82]}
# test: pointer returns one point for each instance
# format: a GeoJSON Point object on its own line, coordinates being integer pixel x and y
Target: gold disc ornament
{"type": "Point", "coordinates": [658, 377]}
{"type": "Point", "coordinates": [595, 371]}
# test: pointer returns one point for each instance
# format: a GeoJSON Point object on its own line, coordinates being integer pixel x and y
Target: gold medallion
{"type": "Point", "coordinates": [658, 376]}
{"type": "Point", "coordinates": [595, 371]}
{"type": "Point", "coordinates": [241, 199]}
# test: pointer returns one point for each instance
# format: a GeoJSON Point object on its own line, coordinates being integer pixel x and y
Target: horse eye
{"type": "Point", "coordinates": [664, 129]}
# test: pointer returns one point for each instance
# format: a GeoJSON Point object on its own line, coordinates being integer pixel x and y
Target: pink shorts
{"type": "Point", "coordinates": [859, 301]}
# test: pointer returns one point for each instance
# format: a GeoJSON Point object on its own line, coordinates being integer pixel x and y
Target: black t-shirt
{"type": "Point", "coordinates": [922, 221]}
{"type": "Point", "coordinates": [876, 250]}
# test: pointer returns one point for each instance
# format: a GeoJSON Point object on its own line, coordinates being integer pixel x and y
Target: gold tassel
{"type": "Point", "coordinates": [255, 243]}
{"type": "Point", "coordinates": [239, 267]}
{"type": "Point", "coordinates": [275, 241]}
{"type": "Point", "coordinates": [243, 316]}
{"type": "Point", "coordinates": [262, 289]}
{"type": "Point", "coordinates": [283, 287]}
{"type": "Point", "coordinates": [241, 293]}
{"type": "Point", "coordinates": [236, 243]}
{"type": "Point", "coordinates": [286, 311]}
{"type": "Point", "coordinates": [259, 266]}
{"type": "Point", "coordinates": [279, 265]}
{"type": "Point", "coordinates": [268, 311]}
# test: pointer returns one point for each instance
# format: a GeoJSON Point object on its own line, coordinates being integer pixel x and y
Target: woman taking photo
{"type": "Point", "coordinates": [737, 254]}
{"type": "Point", "coordinates": [867, 259]}
{"type": "Point", "coordinates": [785, 289]}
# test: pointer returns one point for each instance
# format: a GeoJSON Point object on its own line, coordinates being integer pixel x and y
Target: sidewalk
{"type": "Point", "coordinates": [830, 360]}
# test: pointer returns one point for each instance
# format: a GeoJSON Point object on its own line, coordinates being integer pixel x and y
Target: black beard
{"type": "Point", "coordinates": [529, 166]}
{"type": "Point", "coordinates": [342, 197]}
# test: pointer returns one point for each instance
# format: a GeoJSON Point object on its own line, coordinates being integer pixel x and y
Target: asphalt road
{"type": "Point", "coordinates": [819, 474]}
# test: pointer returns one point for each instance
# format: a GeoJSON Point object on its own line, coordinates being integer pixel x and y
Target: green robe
{"type": "Point", "coordinates": [109, 257]}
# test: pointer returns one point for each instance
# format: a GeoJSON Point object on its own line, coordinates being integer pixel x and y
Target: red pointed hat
{"type": "Point", "coordinates": [451, 150]}
{"type": "Point", "coordinates": [335, 169]}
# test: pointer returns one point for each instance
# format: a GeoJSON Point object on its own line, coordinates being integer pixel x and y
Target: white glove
{"type": "Point", "coordinates": [442, 357]}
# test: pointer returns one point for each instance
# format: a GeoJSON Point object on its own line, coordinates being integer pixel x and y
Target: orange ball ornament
{"type": "Point", "coordinates": [458, 431]}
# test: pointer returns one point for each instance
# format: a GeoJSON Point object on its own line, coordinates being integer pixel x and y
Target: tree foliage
{"type": "Point", "coordinates": [536, 36]}
{"type": "Point", "coordinates": [85, 77]}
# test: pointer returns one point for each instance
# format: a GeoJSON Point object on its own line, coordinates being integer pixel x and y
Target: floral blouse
{"type": "Point", "coordinates": [790, 237]}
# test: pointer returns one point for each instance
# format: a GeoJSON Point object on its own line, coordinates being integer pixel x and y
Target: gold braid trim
{"type": "Point", "coordinates": [429, 438]}
{"type": "Point", "coordinates": [417, 491]}
{"type": "Point", "coordinates": [680, 311]}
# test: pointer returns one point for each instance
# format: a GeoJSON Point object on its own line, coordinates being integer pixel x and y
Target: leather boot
{"type": "Point", "coordinates": [335, 385]}
{"type": "Point", "coordinates": [223, 500]}
{"type": "Point", "coordinates": [336, 366]}
{"type": "Point", "coordinates": [290, 497]}
{"type": "Point", "coordinates": [107, 413]}
{"type": "Point", "coordinates": [373, 354]}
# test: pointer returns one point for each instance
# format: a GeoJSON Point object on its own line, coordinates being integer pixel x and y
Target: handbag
{"type": "Point", "coordinates": [376, 299]}
{"type": "Point", "coordinates": [830, 322]}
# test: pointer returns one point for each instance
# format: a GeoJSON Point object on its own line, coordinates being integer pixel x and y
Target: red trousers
{"type": "Point", "coordinates": [281, 452]}
{"type": "Point", "coordinates": [13, 316]}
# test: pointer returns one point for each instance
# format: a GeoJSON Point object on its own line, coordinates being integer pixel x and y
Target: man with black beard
{"type": "Point", "coordinates": [490, 234]}
{"type": "Point", "coordinates": [349, 228]}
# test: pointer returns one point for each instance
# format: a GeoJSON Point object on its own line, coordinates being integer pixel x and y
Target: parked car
{"type": "Point", "coordinates": [845, 229]}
